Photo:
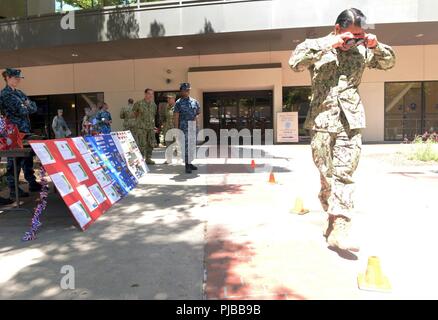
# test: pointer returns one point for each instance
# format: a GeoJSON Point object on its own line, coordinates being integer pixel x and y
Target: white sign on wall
{"type": "Point", "coordinates": [287, 127]}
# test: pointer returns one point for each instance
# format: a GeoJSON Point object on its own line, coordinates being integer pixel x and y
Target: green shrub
{"type": "Point", "coordinates": [424, 150]}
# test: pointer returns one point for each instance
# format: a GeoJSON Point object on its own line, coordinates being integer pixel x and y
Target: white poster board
{"type": "Point", "coordinates": [287, 127]}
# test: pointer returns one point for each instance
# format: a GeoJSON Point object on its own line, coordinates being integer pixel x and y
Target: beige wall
{"type": "Point", "coordinates": [120, 80]}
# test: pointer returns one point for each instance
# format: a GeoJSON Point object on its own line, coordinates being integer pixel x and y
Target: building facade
{"type": "Point", "coordinates": [234, 53]}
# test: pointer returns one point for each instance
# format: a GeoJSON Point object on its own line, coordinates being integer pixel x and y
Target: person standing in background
{"type": "Point", "coordinates": [166, 120]}
{"type": "Point", "coordinates": [185, 114]}
{"type": "Point", "coordinates": [128, 116]}
{"type": "Point", "coordinates": [86, 124]}
{"type": "Point", "coordinates": [166, 115]}
{"type": "Point", "coordinates": [145, 112]}
{"type": "Point", "coordinates": [103, 119]}
{"type": "Point", "coordinates": [59, 126]}
{"type": "Point", "coordinates": [17, 107]}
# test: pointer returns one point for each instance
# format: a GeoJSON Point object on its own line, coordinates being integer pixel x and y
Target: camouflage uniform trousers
{"type": "Point", "coordinates": [336, 155]}
{"type": "Point", "coordinates": [146, 141]}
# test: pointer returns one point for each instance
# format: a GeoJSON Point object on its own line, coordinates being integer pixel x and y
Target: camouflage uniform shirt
{"type": "Point", "coordinates": [335, 76]}
{"type": "Point", "coordinates": [128, 117]}
{"type": "Point", "coordinates": [146, 112]}
{"type": "Point", "coordinates": [166, 117]}
{"type": "Point", "coordinates": [13, 106]}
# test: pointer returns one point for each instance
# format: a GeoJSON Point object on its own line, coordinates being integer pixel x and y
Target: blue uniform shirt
{"type": "Point", "coordinates": [101, 117]}
{"type": "Point", "coordinates": [14, 107]}
{"type": "Point", "coordinates": [188, 109]}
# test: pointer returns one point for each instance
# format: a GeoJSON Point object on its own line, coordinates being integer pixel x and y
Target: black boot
{"type": "Point", "coordinates": [35, 187]}
{"type": "Point", "coordinates": [188, 168]}
{"type": "Point", "coordinates": [193, 167]}
{"type": "Point", "coordinates": [21, 193]}
{"type": "Point", "coordinates": [4, 201]}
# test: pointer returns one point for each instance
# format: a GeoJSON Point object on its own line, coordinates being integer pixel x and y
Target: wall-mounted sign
{"type": "Point", "coordinates": [287, 127]}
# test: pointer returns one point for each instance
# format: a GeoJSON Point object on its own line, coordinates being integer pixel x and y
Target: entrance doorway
{"type": "Point", "coordinates": [238, 110]}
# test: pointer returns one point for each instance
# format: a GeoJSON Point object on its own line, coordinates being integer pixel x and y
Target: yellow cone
{"type": "Point", "coordinates": [299, 207]}
{"type": "Point", "coordinates": [373, 279]}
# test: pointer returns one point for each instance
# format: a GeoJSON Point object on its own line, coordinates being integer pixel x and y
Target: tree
{"type": "Point", "coordinates": [88, 4]}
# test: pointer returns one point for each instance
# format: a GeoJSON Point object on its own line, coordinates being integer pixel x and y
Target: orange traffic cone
{"type": "Point", "coordinates": [373, 279]}
{"type": "Point", "coordinates": [299, 206]}
{"type": "Point", "coordinates": [272, 178]}
{"type": "Point", "coordinates": [253, 165]}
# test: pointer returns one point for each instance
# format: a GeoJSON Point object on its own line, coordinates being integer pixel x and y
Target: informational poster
{"type": "Point", "coordinates": [97, 145]}
{"type": "Point", "coordinates": [91, 173]}
{"type": "Point", "coordinates": [73, 178]}
{"type": "Point", "coordinates": [117, 161]}
{"type": "Point", "coordinates": [128, 148]}
{"type": "Point", "coordinates": [287, 127]}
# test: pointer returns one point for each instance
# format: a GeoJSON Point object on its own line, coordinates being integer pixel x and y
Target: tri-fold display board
{"type": "Point", "coordinates": [92, 173]}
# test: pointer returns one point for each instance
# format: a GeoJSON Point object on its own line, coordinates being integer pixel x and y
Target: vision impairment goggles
{"type": "Point", "coordinates": [355, 41]}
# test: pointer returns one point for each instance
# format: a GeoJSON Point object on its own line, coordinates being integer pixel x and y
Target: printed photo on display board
{"type": "Point", "coordinates": [80, 213]}
{"type": "Point", "coordinates": [81, 145]}
{"type": "Point", "coordinates": [112, 193]}
{"type": "Point", "coordinates": [43, 153]}
{"type": "Point", "coordinates": [128, 148]}
{"type": "Point", "coordinates": [78, 171]}
{"type": "Point", "coordinates": [91, 161]}
{"type": "Point", "coordinates": [97, 193]}
{"type": "Point", "coordinates": [102, 177]}
{"type": "Point", "coordinates": [87, 197]}
{"type": "Point", "coordinates": [65, 150]}
{"type": "Point", "coordinates": [60, 181]}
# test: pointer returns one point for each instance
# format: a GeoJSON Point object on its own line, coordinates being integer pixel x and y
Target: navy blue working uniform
{"type": "Point", "coordinates": [188, 109]}
{"type": "Point", "coordinates": [17, 107]}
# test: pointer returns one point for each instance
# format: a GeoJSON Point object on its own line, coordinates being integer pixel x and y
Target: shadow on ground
{"type": "Point", "coordinates": [131, 252]}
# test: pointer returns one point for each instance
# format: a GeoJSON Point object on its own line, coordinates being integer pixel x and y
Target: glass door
{"type": "Point", "coordinates": [238, 110]}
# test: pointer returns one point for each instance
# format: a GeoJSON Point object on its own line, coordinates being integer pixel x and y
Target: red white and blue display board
{"type": "Point", "coordinates": [91, 175]}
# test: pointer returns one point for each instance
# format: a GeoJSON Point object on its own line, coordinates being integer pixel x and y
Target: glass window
{"type": "Point", "coordinates": [403, 114]}
{"type": "Point", "coordinates": [67, 103]}
{"type": "Point", "coordinates": [411, 108]}
{"type": "Point", "coordinates": [73, 106]}
{"type": "Point", "coordinates": [298, 99]}
{"type": "Point", "coordinates": [39, 120]}
{"type": "Point", "coordinates": [431, 106]}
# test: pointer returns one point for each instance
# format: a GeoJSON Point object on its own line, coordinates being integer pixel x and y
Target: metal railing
{"type": "Point", "coordinates": [401, 128]}
{"type": "Point", "coordinates": [108, 6]}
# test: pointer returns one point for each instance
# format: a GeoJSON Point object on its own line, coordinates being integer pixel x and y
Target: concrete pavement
{"type": "Point", "coordinates": [226, 233]}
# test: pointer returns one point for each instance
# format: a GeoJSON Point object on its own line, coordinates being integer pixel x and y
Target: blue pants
{"type": "Point", "coordinates": [22, 163]}
{"type": "Point", "coordinates": [189, 150]}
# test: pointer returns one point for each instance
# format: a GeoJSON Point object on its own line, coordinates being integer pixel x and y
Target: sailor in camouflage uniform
{"type": "Point", "coordinates": [17, 107]}
{"type": "Point", "coordinates": [145, 112]}
{"type": "Point", "coordinates": [336, 115]}
{"type": "Point", "coordinates": [166, 115]}
{"type": "Point", "coordinates": [128, 116]}
{"type": "Point", "coordinates": [166, 120]}
{"type": "Point", "coordinates": [185, 112]}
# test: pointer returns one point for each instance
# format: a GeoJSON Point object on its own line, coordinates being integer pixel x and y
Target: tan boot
{"type": "Point", "coordinates": [149, 161]}
{"type": "Point", "coordinates": [340, 235]}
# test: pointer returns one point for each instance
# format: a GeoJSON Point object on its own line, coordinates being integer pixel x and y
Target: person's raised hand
{"type": "Point", "coordinates": [340, 39]}
{"type": "Point", "coordinates": [371, 40]}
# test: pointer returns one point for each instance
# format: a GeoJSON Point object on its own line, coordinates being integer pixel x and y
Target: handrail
{"type": "Point", "coordinates": [138, 6]}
